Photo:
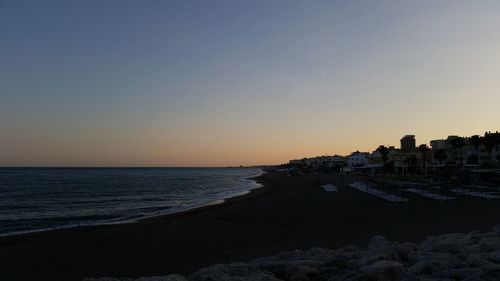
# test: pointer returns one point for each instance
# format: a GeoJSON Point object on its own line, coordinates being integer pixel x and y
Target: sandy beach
{"type": "Point", "coordinates": [287, 213]}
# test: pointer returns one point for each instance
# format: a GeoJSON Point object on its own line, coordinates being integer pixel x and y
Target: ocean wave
{"type": "Point", "coordinates": [125, 196]}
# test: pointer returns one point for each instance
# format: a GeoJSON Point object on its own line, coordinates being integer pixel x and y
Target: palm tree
{"type": "Point", "coordinates": [423, 148]}
{"type": "Point", "coordinates": [476, 141]}
{"type": "Point", "coordinates": [496, 141]}
{"type": "Point", "coordinates": [489, 143]}
{"type": "Point", "coordinates": [384, 152]}
{"type": "Point", "coordinates": [458, 143]}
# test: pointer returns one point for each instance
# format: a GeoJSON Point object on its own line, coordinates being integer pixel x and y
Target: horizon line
{"type": "Point", "coordinates": [138, 167]}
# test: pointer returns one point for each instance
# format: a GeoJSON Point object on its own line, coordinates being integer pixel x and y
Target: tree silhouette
{"type": "Point", "coordinates": [491, 140]}
{"type": "Point", "coordinates": [476, 141]}
{"type": "Point", "coordinates": [496, 142]}
{"type": "Point", "coordinates": [457, 144]}
{"type": "Point", "coordinates": [384, 152]}
{"type": "Point", "coordinates": [423, 148]}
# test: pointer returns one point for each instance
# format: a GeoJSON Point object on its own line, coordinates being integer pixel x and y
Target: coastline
{"type": "Point", "coordinates": [286, 213]}
{"type": "Point", "coordinates": [238, 197]}
{"type": "Point", "coordinates": [266, 187]}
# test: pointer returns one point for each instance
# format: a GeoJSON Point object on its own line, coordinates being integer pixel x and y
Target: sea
{"type": "Point", "coordinates": [40, 199]}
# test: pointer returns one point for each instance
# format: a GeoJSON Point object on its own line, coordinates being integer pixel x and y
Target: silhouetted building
{"type": "Point", "coordinates": [408, 143]}
{"type": "Point", "coordinates": [466, 155]}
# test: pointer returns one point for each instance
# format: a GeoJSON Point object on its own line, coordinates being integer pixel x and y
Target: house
{"type": "Point", "coordinates": [320, 162]}
{"type": "Point", "coordinates": [357, 159]}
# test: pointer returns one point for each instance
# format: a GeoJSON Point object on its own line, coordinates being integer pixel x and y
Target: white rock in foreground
{"type": "Point", "coordinates": [456, 256]}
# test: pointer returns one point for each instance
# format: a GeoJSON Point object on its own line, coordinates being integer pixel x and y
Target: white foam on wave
{"type": "Point", "coordinates": [245, 185]}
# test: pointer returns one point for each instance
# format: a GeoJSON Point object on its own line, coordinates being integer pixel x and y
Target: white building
{"type": "Point", "coordinates": [357, 159]}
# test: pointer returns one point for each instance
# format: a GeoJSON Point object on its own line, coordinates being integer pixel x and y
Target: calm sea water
{"type": "Point", "coordinates": [34, 199]}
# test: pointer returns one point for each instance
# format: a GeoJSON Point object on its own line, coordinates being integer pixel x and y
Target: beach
{"type": "Point", "coordinates": [288, 212]}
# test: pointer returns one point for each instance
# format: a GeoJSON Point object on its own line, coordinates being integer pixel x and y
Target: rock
{"type": "Point", "coordinates": [452, 248]}
{"type": "Point", "coordinates": [319, 253]}
{"type": "Point", "coordinates": [477, 261]}
{"type": "Point", "coordinates": [459, 273]}
{"type": "Point", "coordinates": [496, 229]}
{"type": "Point", "coordinates": [232, 272]}
{"type": "Point", "coordinates": [469, 257]}
{"type": "Point", "coordinates": [275, 267]}
{"type": "Point", "coordinates": [406, 250]}
{"type": "Point", "coordinates": [339, 263]}
{"type": "Point", "coordinates": [379, 250]}
{"type": "Point", "coordinates": [353, 276]}
{"type": "Point", "coordinates": [302, 269]}
{"type": "Point", "coordinates": [384, 270]}
{"type": "Point", "coordinates": [311, 262]}
{"type": "Point", "coordinates": [289, 254]}
{"type": "Point", "coordinates": [278, 267]}
{"type": "Point", "coordinates": [349, 252]}
{"type": "Point", "coordinates": [489, 244]}
{"type": "Point", "coordinates": [428, 244]}
{"type": "Point", "coordinates": [427, 267]}
{"type": "Point", "coordinates": [101, 279]}
{"type": "Point", "coordinates": [454, 244]}
{"type": "Point", "coordinates": [301, 273]}
{"type": "Point", "coordinates": [278, 263]}
{"type": "Point", "coordinates": [349, 249]}
{"type": "Point", "coordinates": [495, 257]}
{"type": "Point", "coordinates": [377, 242]}
{"type": "Point", "coordinates": [327, 272]}
{"type": "Point", "coordinates": [172, 277]}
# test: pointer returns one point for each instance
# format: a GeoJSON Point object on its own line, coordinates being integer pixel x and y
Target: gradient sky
{"type": "Point", "coordinates": [216, 83]}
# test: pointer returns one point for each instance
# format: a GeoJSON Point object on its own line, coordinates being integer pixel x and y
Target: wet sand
{"type": "Point", "coordinates": [287, 213]}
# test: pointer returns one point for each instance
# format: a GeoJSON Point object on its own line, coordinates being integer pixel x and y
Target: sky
{"type": "Point", "coordinates": [224, 83]}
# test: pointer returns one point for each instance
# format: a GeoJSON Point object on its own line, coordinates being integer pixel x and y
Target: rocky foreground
{"type": "Point", "coordinates": [457, 256]}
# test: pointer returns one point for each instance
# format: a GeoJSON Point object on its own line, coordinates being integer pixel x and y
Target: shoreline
{"type": "Point", "coordinates": [217, 202]}
{"type": "Point", "coordinates": [287, 213]}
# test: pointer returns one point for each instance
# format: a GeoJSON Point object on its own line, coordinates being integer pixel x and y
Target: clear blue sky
{"type": "Point", "coordinates": [187, 83]}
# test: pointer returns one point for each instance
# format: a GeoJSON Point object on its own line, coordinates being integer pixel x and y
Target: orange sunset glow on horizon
{"type": "Point", "coordinates": [250, 84]}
